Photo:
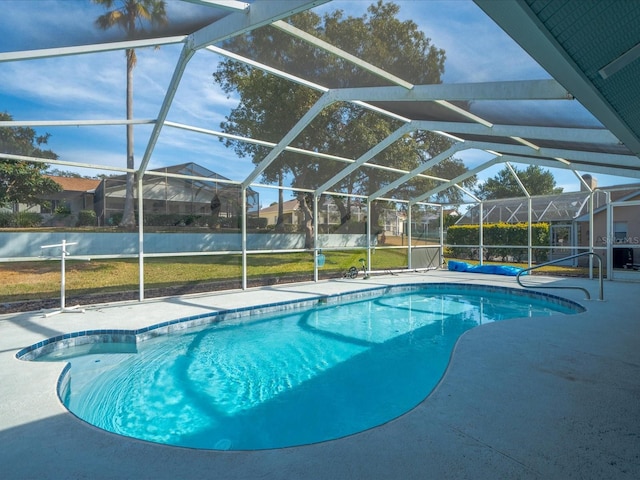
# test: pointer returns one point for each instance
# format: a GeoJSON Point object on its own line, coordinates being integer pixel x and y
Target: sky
{"type": "Point", "coordinates": [92, 86]}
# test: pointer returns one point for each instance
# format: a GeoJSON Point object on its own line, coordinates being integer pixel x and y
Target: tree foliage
{"type": "Point", "coordinates": [536, 180]}
{"type": "Point", "coordinates": [270, 106]}
{"type": "Point", "coordinates": [21, 181]}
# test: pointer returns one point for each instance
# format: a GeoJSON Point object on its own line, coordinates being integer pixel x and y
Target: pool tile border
{"type": "Point", "coordinates": [84, 337]}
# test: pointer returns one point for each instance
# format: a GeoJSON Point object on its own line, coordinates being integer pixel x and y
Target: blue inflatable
{"type": "Point", "coordinates": [494, 269]}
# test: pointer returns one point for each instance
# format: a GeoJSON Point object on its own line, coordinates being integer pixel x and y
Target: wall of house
{"type": "Point", "coordinates": [628, 214]}
{"type": "Point", "coordinates": [623, 214]}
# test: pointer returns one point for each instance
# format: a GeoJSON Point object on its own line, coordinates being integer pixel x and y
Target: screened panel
{"type": "Point", "coordinates": [425, 225]}
{"type": "Point", "coordinates": [547, 208]}
{"type": "Point", "coordinates": [274, 268]}
{"type": "Point", "coordinates": [194, 185]}
{"type": "Point", "coordinates": [425, 257]}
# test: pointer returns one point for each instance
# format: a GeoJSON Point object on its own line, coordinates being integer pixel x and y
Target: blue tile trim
{"type": "Point", "coordinates": [134, 336]}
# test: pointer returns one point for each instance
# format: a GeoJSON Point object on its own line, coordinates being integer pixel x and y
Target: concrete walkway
{"type": "Point", "coordinates": [544, 398]}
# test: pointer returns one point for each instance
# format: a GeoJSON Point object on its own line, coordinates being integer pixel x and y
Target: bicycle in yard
{"type": "Point", "coordinates": [352, 272]}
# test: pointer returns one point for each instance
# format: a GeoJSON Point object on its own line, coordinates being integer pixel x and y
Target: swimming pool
{"type": "Point", "coordinates": [317, 370]}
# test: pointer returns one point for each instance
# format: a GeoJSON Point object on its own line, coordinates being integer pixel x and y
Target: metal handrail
{"type": "Point", "coordinates": [522, 272]}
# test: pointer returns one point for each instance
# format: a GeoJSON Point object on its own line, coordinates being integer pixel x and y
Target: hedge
{"type": "Point", "coordinates": [499, 234]}
{"type": "Point", "coordinates": [192, 220]}
{"type": "Point", "coordinates": [20, 220]}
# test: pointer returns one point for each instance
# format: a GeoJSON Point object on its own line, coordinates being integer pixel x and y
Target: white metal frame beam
{"type": "Point", "coordinates": [93, 48]}
{"type": "Point", "coordinates": [316, 42]}
{"type": "Point", "coordinates": [583, 157]}
{"type": "Point", "coordinates": [520, 23]}
{"type": "Point", "coordinates": [73, 123]}
{"type": "Point", "coordinates": [455, 181]}
{"type": "Point", "coordinates": [419, 169]}
{"type": "Point", "coordinates": [392, 138]}
{"type": "Point", "coordinates": [324, 101]}
{"type": "Point", "coordinates": [551, 163]}
{"type": "Point", "coordinates": [230, 5]}
{"type": "Point", "coordinates": [509, 90]}
{"type": "Point", "coordinates": [260, 14]}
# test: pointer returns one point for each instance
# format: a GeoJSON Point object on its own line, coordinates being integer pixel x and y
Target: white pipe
{"type": "Point", "coordinates": [140, 239]}
{"type": "Point", "coordinates": [368, 233]}
{"type": "Point", "coordinates": [244, 238]}
{"type": "Point", "coordinates": [315, 237]}
{"type": "Point", "coordinates": [400, 270]}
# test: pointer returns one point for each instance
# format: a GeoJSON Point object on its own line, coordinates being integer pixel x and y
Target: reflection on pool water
{"type": "Point", "coordinates": [283, 379]}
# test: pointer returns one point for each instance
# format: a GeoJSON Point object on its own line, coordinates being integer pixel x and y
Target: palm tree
{"type": "Point", "coordinates": [130, 16]}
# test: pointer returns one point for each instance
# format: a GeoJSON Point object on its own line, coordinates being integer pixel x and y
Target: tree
{"type": "Point", "coordinates": [536, 180]}
{"type": "Point", "coordinates": [23, 182]}
{"type": "Point", "coordinates": [270, 106]}
{"type": "Point", "coordinates": [131, 16]}
{"type": "Point", "coordinates": [64, 173]}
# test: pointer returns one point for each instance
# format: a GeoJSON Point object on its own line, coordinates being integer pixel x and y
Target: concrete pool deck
{"type": "Point", "coordinates": [554, 397]}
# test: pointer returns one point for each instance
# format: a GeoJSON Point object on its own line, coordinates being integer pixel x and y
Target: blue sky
{"type": "Point", "coordinates": [93, 86]}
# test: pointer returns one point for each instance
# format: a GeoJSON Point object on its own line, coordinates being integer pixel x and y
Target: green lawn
{"type": "Point", "coordinates": [41, 279]}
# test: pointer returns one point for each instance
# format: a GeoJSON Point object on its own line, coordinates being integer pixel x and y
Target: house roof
{"type": "Point", "coordinates": [621, 193]}
{"type": "Point", "coordinates": [288, 206]}
{"type": "Point", "coordinates": [76, 184]}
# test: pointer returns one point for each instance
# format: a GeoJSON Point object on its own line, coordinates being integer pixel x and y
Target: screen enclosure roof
{"type": "Point", "coordinates": [589, 49]}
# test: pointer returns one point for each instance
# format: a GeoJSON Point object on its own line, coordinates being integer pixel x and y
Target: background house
{"type": "Point", "coordinates": [77, 194]}
{"type": "Point", "coordinates": [290, 213]}
{"type": "Point", "coordinates": [568, 218]}
{"type": "Point", "coordinates": [625, 233]}
{"type": "Point", "coordinates": [170, 194]}
{"type": "Point", "coordinates": [166, 193]}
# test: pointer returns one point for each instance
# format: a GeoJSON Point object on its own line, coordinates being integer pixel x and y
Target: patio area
{"type": "Point", "coordinates": [553, 397]}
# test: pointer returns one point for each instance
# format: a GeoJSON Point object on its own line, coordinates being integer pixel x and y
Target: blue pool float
{"type": "Point", "coordinates": [493, 269]}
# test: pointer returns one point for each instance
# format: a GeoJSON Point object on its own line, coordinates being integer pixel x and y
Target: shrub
{"type": "Point", "coordinates": [6, 219]}
{"type": "Point", "coordinates": [27, 219]}
{"type": "Point", "coordinates": [87, 218]}
{"type": "Point", "coordinates": [114, 220]}
{"type": "Point", "coordinates": [498, 234]}
{"type": "Point", "coordinates": [162, 219]}
{"type": "Point", "coordinates": [63, 209]}
{"type": "Point", "coordinates": [256, 222]}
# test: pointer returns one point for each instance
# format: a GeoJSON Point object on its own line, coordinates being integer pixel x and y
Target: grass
{"type": "Point", "coordinates": [41, 279]}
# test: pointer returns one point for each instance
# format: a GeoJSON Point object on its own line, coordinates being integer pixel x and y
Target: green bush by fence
{"type": "Point", "coordinates": [87, 218]}
{"type": "Point", "coordinates": [192, 220]}
{"type": "Point", "coordinates": [20, 220]}
{"type": "Point", "coordinates": [499, 234]}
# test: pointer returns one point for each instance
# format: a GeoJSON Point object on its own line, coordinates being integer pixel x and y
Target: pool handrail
{"type": "Point", "coordinates": [601, 286]}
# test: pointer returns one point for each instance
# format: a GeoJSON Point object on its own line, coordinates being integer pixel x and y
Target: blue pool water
{"type": "Point", "coordinates": [293, 378]}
